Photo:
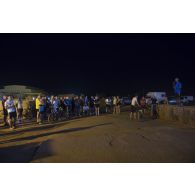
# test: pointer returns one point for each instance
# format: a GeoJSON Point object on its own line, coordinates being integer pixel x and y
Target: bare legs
{"type": "Point", "coordinates": [134, 115]}
{"type": "Point", "coordinates": [97, 111]}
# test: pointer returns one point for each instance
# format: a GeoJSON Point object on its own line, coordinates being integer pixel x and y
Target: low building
{"type": "Point", "coordinates": [69, 95]}
{"type": "Point", "coordinates": [21, 90]}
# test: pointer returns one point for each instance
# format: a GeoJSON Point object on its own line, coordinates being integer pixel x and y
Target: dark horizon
{"type": "Point", "coordinates": [113, 64]}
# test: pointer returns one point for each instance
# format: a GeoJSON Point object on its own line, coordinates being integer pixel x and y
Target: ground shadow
{"type": "Point", "coordinates": [22, 153]}
{"type": "Point", "coordinates": [35, 128]}
{"type": "Point", "coordinates": [27, 138]}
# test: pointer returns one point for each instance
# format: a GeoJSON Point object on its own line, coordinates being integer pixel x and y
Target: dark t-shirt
{"type": "Point", "coordinates": [154, 101]}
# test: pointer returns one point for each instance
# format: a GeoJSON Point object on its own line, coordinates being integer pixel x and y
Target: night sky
{"type": "Point", "coordinates": [113, 64]}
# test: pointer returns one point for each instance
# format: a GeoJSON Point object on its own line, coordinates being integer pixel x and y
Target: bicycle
{"type": "Point", "coordinates": [53, 116]}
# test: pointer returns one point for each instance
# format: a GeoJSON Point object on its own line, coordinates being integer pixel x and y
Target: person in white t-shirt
{"type": "Point", "coordinates": [11, 109]}
{"type": "Point", "coordinates": [19, 108]}
{"type": "Point", "coordinates": [114, 103]}
{"type": "Point", "coordinates": [134, 106]}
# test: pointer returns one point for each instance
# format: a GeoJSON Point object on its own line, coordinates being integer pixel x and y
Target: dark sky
{"type": "Point", "coordinates": [104, 63]}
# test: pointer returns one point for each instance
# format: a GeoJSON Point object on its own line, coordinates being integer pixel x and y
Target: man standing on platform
{"type": "Point", "coordinates": [177, 90]}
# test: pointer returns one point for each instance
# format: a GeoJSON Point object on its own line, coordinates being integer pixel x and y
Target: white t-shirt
{"type": "Point", "coordinates": [56, 104]}
{"type": "Point", "coordinates": [114, 101]}
{"type": "Point", "coordinates": [19, 104]}
{"type": "Point", "coordinates": [9, 105]}
{"type": "Point", "coordinates": [134, 101]}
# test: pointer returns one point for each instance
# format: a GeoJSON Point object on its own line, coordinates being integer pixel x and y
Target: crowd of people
{"type": "Point", "coordinates": [138, 108]}
{"type": "Point", "coordinates": [56, 108]}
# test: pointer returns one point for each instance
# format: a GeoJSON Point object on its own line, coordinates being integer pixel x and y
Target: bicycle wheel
{"type": "Point", "coordinates": [51, 118]}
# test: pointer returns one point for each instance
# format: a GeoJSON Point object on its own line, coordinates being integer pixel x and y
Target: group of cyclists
{"type": "Point", "coordinates": [54, 108]}
{"type": "Point", "coordinates": [138, 108]}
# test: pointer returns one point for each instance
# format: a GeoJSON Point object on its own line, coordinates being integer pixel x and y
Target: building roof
{"type": "Point", "coordinates": [21, 89]}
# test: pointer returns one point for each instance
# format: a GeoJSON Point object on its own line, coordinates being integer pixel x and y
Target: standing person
{"type": "Point", "coordinates": [82, 104]}
{"type": "Point", "coordinates": [114, 103]}
{"type": "Point", "coordinates": [19, 108]}
{"type": "Point", "coordinates": [77, 106]}
{"type": "Point", "coordinates": [37, 103]}
{"type": "Point", "coordinates": [11, 109]}
{"type": "Point", "coordinates": [102, 105]}
{"type": "Point", "coordinates": [48, 107]}
{"type": "Point", "coordinates": [177, 90]}
{"type": "Point", "coordinates": [86, 110]}
{"type": "Point", "coordinates": [154, 112]}
{"type": "Point", "coordinates": [134, 108]}
{"type": "Point", "coordinates": [55, 103]}
{"type": "Point", "coordinates": [42, 109]}
{"type": "Point", "coordinates": [118, 105]}
{"type": "Point", "coordinates": [5, 113]}
{"type": "Point", "coordinates": [143, 104]}
{"type": "Point", "coordinates": [97, 106]}
{"type": "Point", "coordinates": [72, 106]}
{"type": "Point", "coordinates": [91, 105]}
{"type": "Point", "coordinates": [86, 100]}
{"type": "Point", "coordinates": [67, 105]}
{"type": "Point", "coordinates": [108, 105]}
{"type": "Point", "coordinates": [62, 106]}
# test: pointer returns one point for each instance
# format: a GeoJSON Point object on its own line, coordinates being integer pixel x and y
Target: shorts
{"type": "Point", "coordinates": [97, 105]}
{"type": "Point", "coordinates": [133, 109]}
{"type": "Point", "coordinates": [177, 95]}
{"type": "Point", "coordinates": [12, 115]}
{"type": "Point", "coordinates": [20, 111]}
{"type": "Point", "coordinates": [5, 113]}
{"type": "Point", "coordinates": [143, 107]}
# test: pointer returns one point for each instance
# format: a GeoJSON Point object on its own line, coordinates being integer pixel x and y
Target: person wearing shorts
{"type": "Point", "coordinates": [143, 104]}
{"type": "Point", "coordinates": [42, 110]}
{"type": "Point", "coordinates": [134, 106]}
{"type": "Point", "coordinates": [5, 113]}
{"type": "Point", "coordinates": [118, 105]}
{"type": "Point", "coordinates": [11, 109]}
{"type": "Point", "coordinates": [37, 102]}
{"type": "Point", "coordinates": [19, 106]}
{"type": "Point", "coordinates": [114, 103]}
{"type": "Point", "coordinates": [97, 106]}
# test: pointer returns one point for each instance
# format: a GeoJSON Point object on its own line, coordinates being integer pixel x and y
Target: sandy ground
{"type": "Point", "coordinates": [108, 138]}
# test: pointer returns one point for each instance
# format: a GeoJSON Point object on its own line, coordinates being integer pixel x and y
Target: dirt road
{"type": "Point", "coordinates": [108, 138]}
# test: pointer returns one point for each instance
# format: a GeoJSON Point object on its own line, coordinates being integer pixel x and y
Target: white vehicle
{"type": "Point", "coordinates": [187, 99]}
{"type": "Point", "coordinates": [160, 96]}
{"type": "Point", "coordinates": [126, 101]}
